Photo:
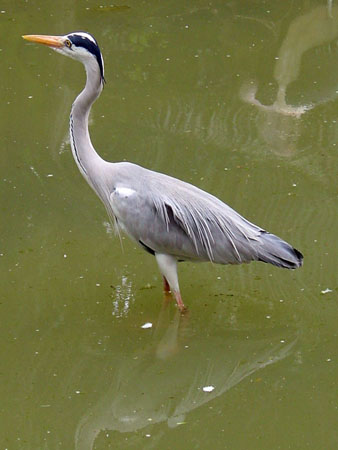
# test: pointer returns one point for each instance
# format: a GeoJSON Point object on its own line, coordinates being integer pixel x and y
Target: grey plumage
{"type": "Point", "coordinates": [189, 223]}
{"type": "Point", "coordinates": [171, 219]}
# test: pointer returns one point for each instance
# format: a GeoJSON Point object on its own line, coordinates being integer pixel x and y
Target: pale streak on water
{"type": "Point", "coordinates": [123, 298]}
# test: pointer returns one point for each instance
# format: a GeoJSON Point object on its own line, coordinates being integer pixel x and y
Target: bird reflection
{"type": "Point", "coordinates": [317, 27]}
{"type": "Point", "coordinates": [164, 381]}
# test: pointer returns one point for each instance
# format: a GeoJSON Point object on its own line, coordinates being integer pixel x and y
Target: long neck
{"type": "Point", "coordinates": [83, 151]}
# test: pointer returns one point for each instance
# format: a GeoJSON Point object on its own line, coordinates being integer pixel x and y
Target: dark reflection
{"type": "Point", "coordinates": [315, 28]}
{"type": "Point", "coordinates": [164, 381]}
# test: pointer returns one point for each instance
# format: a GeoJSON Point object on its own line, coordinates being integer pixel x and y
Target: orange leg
{"type": "Point", "coordinates": [166, 286]}
{"type": "Point", "coordinates": [180, 304]}
{"type": "Point", "coordinates": [178, 298]}
{"type": "Point", "coordinates": [168, 267]}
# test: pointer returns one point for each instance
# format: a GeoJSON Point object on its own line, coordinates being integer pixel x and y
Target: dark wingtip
{"type": "Point", "coordinates": [299, 256]}
{"type": "Point", "coordinates": [280, 253]}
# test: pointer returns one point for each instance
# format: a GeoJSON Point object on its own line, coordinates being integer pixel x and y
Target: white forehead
{"type": "Point", "coordinates": [84, 35]}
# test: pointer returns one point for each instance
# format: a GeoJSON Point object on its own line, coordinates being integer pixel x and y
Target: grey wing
{"type": "Point", "coordinates": [169, 216]}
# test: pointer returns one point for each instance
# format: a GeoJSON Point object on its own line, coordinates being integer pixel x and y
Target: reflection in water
{"type": "Point", "coordinates": [315, 28]}
{"type": "Point", "coordinates": [123, 298]}
{"type": "Point", "coordinates": [164, 381]}
{"type": "Point", "coordinates": [280, 132]}
{"type": "Point", "coordinates": [223, 125]}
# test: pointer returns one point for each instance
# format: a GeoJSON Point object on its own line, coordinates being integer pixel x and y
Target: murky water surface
{"type": "Point", "coordinates": [239, 98]}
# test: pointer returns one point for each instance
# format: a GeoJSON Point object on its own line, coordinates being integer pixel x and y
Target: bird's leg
{"type": "Point", "coordinates": [168, 267]}
{"type": "Point", "coordinates": [166, 286]}
{"type": "Point", "coordinates": [179, 302]}
{"type": "Point", "coordinates": [167, 293]}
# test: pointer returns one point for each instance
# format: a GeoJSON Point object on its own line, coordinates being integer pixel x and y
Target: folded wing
{"type": "Point", "coordinates": [166, 215]}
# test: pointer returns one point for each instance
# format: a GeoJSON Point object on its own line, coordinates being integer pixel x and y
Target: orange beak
{"type": "Point", "coordinates": [51, 41]}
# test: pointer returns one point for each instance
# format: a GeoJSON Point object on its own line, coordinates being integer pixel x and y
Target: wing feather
{"type": "Point", "coordinates": [174, 217]}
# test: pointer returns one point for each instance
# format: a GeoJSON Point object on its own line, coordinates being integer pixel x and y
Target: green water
{"type": "Point", "coordinates": [186, 94]}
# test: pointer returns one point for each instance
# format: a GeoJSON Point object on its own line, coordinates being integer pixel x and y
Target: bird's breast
{"type": "Point", "coordinates": [120, 199]}
{"type": "Point", "coordinates": [121, 203]}
{"type": "Point", "coordinates": [124, 192]}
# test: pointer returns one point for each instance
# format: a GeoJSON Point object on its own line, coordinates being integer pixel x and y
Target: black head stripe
{"type": "Point", "coordinates": [82, 41]}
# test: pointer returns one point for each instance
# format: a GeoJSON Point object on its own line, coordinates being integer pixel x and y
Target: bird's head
{"type": "Point", "coordinates": [77, 45]}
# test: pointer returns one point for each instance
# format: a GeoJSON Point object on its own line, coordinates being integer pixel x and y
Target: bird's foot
{"type": "Point", "coordinates": [167, 291]}
{"type": "Point", "coordinates": [184, 311]}
{"type": "Point", "coordinates": [181, 306]}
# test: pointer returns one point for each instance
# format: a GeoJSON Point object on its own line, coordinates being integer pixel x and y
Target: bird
{"type": "Point", "coordinates": [169, 218]}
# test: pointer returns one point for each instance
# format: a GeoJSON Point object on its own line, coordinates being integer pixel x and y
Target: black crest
{"type": "Point", "coordinates": [87, 41]}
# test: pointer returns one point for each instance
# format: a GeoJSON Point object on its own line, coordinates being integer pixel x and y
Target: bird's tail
{"type": "Point", "coordinates": [275, 251]}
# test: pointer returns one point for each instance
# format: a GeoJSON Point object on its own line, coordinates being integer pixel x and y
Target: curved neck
{"type": "Point", "coordinates": [83, 151]}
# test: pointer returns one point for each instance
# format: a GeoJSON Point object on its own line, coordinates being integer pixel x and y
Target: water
{"type": "Point", "coordinates": [238, 98]}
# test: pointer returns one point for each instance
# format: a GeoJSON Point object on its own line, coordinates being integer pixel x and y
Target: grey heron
{"type": "Point", "coordinates": [171, 219]}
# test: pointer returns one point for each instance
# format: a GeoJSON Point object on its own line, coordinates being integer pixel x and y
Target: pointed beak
{"type": "Point", "coordinates": [51, 41]}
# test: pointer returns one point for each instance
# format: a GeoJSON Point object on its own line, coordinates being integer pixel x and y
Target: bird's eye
{"type": "Point", "coordinates": [68, 43]}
